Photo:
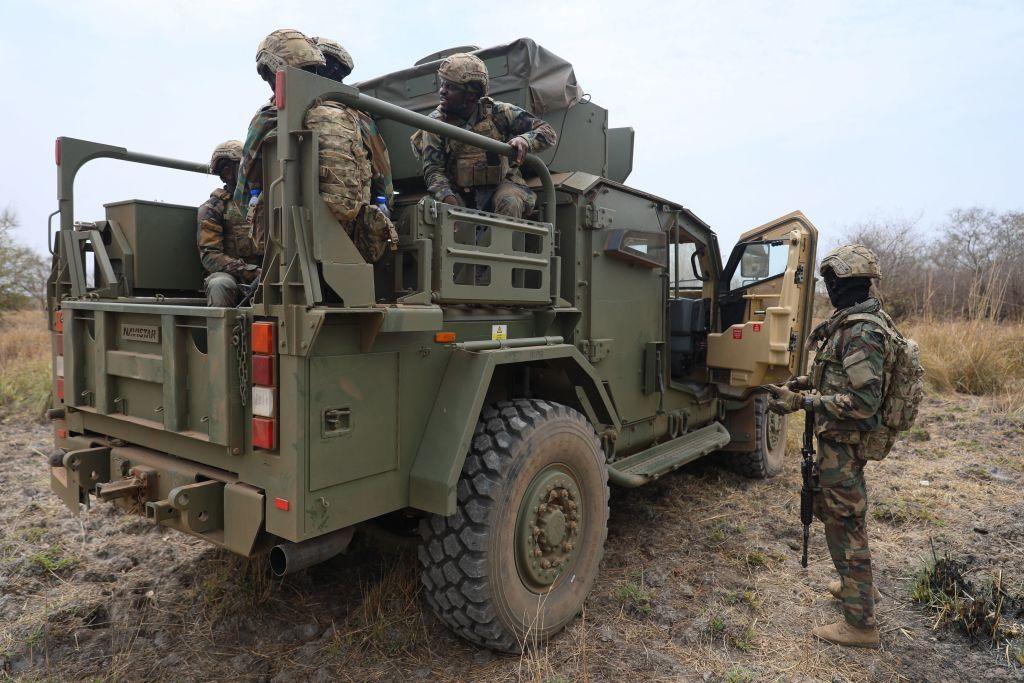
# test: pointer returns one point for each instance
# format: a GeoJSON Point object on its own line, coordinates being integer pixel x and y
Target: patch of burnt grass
{"type": "Point", "coordinates": [983, 611]}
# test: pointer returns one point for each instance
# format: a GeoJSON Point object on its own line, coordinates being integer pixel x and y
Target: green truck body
{"type": "Point", "coordinates": [612, 303]}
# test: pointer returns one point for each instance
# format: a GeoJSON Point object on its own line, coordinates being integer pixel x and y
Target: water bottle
{"type": "Point", "coordinates": [254, 200]}
{"type": "Point", "coordinates": [382, 204]}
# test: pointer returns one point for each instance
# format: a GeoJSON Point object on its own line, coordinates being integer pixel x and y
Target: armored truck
{"type": "Point", "coordinates": [486, 381]}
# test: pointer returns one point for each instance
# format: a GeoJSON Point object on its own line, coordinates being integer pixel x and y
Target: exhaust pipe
{"type": "Point", "coordinates": [288, 558]}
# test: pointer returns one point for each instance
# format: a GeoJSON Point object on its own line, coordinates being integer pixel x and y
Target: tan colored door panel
{"type": "Point", "coordinates": [767, 344]}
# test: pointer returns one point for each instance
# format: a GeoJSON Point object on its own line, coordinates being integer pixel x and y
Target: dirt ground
{"type": "Point", "coordinates": [700, 582]}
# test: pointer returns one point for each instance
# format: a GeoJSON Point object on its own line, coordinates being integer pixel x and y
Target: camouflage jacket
{"type": "Point", "coordinates": [249, 169]}
{"type": "Point", "coordinates": [436, 151]}
{"type": "Point", "coordinates": [226, 243]}
{"type": "Point", "coordinates": [848, 375]}
{"type": "Point", "coordinates": [381, 184]}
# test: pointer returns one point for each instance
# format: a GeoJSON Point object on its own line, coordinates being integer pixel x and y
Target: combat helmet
{"type": "Point", "coordinates": [286, 47]}
{"type": "Point", "coordinates": [464, 68]}
{"type": "Point", "coordinates": [851, 260]}
{"type": "Point", "coordinates": [332, 48]}
{"type": "Point", "coordinates": [230, 150]}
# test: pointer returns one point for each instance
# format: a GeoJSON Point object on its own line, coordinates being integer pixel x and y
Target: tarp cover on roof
{"type": "Point", "coordinates": [551, 80]}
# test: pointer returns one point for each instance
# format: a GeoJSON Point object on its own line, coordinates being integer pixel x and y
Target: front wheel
{"type": "Point", "coordinates": [769, 444]}
{"type": "Point", "coordinates": [516, 560]}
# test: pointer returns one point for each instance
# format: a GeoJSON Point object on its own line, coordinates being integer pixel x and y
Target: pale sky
{"type": "Point", "coordinates": [743, 111]}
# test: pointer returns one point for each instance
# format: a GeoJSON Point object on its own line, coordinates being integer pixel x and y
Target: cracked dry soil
{"type": "Point", "coordinates": [700, 582]}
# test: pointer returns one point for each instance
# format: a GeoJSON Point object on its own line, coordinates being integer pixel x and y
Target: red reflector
{"type": "Point", "coordinates": [737, 333]}
{"type": "Point", "coordinates": [58, 321]}
{"type": "Point", "coordinates": [59, 344]}
{"type": "Point", "coordinates": [60, 388]}
{"type": "Point", "coordinates": [264, 337]}
{"type": "Point", "coordinates": [279, 90]}
{"type": "Point", "coordinates": [263, 370]}
{"type": "Point", "coordinates": [281, 504]}
{"type": "Point", "coordinates": [264, 433]}
{"type": "Point", "coordinates": [62, 433]}
{"type": "Point", "coordinates": [56, 151]}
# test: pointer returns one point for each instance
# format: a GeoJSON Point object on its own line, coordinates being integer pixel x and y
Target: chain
{"type": "Point", "coordinates": [241, 344]}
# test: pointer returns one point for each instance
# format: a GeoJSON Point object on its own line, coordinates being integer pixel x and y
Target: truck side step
{"type": "Point", "coordinates": [645, 466]}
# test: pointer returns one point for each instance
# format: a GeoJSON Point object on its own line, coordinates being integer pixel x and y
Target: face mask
{"type": "Point", "coordinates": [845, 292]}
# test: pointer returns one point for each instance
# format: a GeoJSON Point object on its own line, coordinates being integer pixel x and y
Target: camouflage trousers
{"type": "Point", "coordinates": [507, 198]}
{"type": "Point", "coordinates": [841, 505]}
{"type": "Point", "coordinates": [222, 290]}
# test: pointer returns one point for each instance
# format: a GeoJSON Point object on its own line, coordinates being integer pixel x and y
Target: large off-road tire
{"type": "Point", "coordinates": [770, 444]}
{"type": "Point", "coordinates": [516, 560]}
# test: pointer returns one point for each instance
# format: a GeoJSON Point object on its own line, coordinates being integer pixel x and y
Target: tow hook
{"type": "Point", "coordinates": [139, 482]}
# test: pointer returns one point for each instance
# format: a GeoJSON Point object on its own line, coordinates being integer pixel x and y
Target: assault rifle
{"type": "Point", "coordinates": [809, 475]}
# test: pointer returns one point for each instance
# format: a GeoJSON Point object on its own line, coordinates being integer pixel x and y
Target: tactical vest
{"type": "Point", "coordinates": [902, 382]}
{"type": "Point", "coordinates": [471, 166]}
{"type": "Point", "coordinates": [344, 163]}
{"type": "Point", "coordinates": [238, 237]}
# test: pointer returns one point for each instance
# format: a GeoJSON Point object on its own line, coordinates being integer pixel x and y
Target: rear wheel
{"type": "Point", "coordinates": [770, 444]}
{"type": "Point", "coordinates": [516, 560]}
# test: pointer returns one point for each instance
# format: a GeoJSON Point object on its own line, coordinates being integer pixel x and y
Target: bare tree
{"type": "Point", "coordinates": [23, 272]}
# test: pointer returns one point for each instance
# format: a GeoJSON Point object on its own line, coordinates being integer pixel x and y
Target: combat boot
{"type": "Point", "coordinates": [836, 589]}
{"type": "Point", "coordinates": [841, 633]}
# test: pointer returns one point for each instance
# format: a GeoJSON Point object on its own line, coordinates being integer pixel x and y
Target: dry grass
{"type": "Point", "coordinates": [24, 363]}
{"type": "Point", "coordinates": [976, 357]}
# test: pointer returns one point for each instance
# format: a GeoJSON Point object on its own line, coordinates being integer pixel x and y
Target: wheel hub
{"type": "Point", "coordinates": [548, 527]}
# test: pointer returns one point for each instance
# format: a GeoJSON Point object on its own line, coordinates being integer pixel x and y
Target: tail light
{"type": "Point", "coordinates": [264, 385]}
{"type": "Point", "coordinates": [279, 90]}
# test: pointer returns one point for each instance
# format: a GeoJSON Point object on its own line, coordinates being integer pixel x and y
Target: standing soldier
{"type": "Point", "coordinates": [460, 174]}
{"type": "Point", "coordinates": [355, 169]}
{"type": "Point", "coordinates": [230, 253]}
{"type": "Point", "coordinates": [845, 392]}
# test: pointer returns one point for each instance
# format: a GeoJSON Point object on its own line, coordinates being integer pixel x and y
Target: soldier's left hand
{"type": "Point", "coordinates": [519, 145]}
{"type": "Point", "coordinates": [785, 401]}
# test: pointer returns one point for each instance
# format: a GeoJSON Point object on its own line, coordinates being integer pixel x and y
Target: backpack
{"type": "Point", "coordinates": [903, 381]}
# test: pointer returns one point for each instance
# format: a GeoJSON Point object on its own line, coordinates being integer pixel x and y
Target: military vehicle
{"type": "Point", "coordinates": [490, 378]}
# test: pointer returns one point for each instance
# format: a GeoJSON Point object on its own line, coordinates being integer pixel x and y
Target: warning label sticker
{"type": "Point", "coordinates": [499, 332]}
{"type": "Point", "coordinates": [737, 333]}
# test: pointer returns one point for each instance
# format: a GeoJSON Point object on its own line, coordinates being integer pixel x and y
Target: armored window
{"type": "Point", "coordinates": [647, 249]}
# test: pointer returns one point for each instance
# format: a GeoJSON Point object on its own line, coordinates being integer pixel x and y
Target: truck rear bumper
{"type": "Point", "coordinates": [200, 500]}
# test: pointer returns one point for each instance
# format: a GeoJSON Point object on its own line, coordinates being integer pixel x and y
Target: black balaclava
{"type": "Point", "coordinates": [847, 291]}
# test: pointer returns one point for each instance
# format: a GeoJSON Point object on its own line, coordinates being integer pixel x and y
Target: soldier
{"type": "Point", "coordinates": [283, 47]}
{"type": "Point", "coordinates": [460, 174]}
{"type": "Point", "coordinates": [355, 169]}
{"type": "Point", "coordinates": [227, 247]}
{"type": "Point", "coordinates": [845, 392]}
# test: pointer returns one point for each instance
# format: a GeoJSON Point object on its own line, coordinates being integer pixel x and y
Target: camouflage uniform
{"type": "Point", "coordinates": [227, 247]}
{"type": "Point", "coordinates": [847, 379]}
{"type": "Point", "coordinates": [283, 47]}
{"type": "Point", "coordinates": [354, 169]}
{"type": "Point", "coordinates": [454, 169]}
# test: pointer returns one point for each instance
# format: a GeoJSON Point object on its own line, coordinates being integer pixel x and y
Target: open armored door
{"type": "Point", "coordinates": [765, 299]}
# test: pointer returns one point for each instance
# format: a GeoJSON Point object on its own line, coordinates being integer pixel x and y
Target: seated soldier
{"type": "Point", "coordinates": [460, 174]}
{"type": "Point", "coordinates": [281, 48]}
{"type": "Point", "coordinates": [355, 169]}
{"type": "Point", "coordinates": [228, 249]}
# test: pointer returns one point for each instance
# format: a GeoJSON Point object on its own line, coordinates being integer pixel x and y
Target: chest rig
{"type": "Point", "coordinates": [471, 166]}
{"type": "Point", "coordinates": [239, 237]}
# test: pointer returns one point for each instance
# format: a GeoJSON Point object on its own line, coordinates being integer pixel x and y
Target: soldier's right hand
{"type": "Point", "coordinates": [799, 383]}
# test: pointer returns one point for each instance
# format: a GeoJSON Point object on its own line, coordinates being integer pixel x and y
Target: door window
{"type": "Point", "coordinates": [759, 261]}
